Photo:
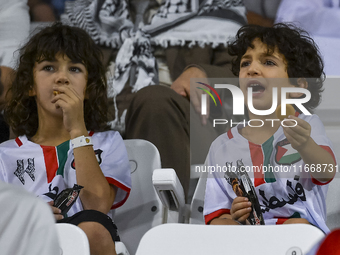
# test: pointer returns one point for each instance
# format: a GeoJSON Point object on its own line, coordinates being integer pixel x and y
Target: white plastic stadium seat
{"type": "Point", "coordinates": [197, 204]}
{"type": "Point", "coordinates": [72, 240]}
{"type": "Point", "coordinates": [171, 193]}
{"type": "Point", "coordinates": [169, 239]}
{"type": "Point", "coordinates": [143, 209]}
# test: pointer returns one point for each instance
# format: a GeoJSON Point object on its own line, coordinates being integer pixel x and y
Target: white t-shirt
{"type": "Point", "coordinates": [281, 194]}
{"type": "Point", "coordinates": [27, 226]}
{"type": "Point", "coordinates": [14, 29]}
{"type": "Point", "coordinates": [47, 170]}
{"type": "Point", "coordinates": [318, 17]}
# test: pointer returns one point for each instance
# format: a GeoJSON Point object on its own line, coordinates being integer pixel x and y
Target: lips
{"type": "Point", "coordinates": [257, 87]}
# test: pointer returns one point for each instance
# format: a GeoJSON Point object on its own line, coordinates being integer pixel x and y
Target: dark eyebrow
{"type": "Point", "coordinates": [76, 61]}
{"type": "Point", "coordinates": [46, 59]}
{"type": "Point", "coordinates": [245, 56]}
{"type": "Point", "coordinates": [262, 55]}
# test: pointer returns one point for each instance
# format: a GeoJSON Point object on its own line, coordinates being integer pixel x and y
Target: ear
{"type": "Point", "coordinates": [301, 83]}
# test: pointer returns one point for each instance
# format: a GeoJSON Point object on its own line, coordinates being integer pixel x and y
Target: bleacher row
{"type": "Point", "coordinates": [155, 219]}
{"type": "Point", "coordinates": [170, 225]}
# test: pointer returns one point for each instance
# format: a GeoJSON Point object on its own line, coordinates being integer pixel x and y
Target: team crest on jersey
{"type": "Point", "coordinates": [285, 154]}
{"type": "Point", "coordinates": [98, 156]}
{"type": "Point", "coordinates": [21, 170]}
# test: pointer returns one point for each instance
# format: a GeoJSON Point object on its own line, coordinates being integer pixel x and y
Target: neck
{"type": "Point", "coordinates": [258, 133]}
{"type": "Point", "coordinates": [51, 132]}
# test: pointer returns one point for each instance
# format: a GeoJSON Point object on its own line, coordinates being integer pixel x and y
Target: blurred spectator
{"type": "Point", "coordinates": [261, 12]}
{"type": "Point", "coordinates": [318, 17]}
{"type": "Point", "coordinates": [6, 78]}
{"type": "Point", "coordinates": [178, 41]}
{"type": "Point", "coordinates": [26, 224]}
{"type": "Point", "coordinates": [58, 6]}
{"type": "Point", "coordinates": [321, 19]}
{"type": "Point", "coordinates": [41, 11]}
{"type": "Point", "coordinates": [14, 29]}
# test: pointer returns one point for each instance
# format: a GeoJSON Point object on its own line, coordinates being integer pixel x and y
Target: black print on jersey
{"type": "Point", "coordinates": [98, 154]}
{"type": "Point", "coordinates": [274, 202]}
{"type": "Point", "coordinates": [20, 171]}
{"type": "Point", "coordinates": [52, 192]}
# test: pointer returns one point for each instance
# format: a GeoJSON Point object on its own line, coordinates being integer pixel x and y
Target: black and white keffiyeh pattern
{"type": "Point", "coordinates": [177, 22]}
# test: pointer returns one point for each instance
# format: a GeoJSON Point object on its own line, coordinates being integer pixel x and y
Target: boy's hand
{"type": "Point", "coordinates": [71, 103]}
{"type": "Point", "coordinates": [240, 209]}
{"type": "Point", "coordinates": [299, 135]}
{"type": "Point", "coordinates": [56, 211]}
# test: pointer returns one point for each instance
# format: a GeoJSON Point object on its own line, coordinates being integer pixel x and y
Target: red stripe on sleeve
{"type": "Point", "coordinates": [216, 214]}
{"type": "Point", "coordinates": [51, 161]}
{"type": "Point", "coordinates": [316, 182]}
{"type": "Point", "coordinates": [230, 135]}
{"type": "Point", "coordinates": [121, 186]}
{"type": "Point", "coordinates": [257, 160]}
{"type": "Point", "coordinates": [329, 151]}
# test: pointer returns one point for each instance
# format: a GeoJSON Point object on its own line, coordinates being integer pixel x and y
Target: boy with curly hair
{"type": "Point", "coordinates": [278, 57]}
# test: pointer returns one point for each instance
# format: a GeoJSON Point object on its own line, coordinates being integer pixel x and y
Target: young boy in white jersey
{"type": "Point", "coordinates": [280, 56]}
{"type": "Point", "coordinates": [58, 109]}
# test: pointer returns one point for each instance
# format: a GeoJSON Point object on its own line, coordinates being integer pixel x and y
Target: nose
{"type": "Point", "coordinates": [62, 78]}
{"type": "Point", "coordinates": [254, 69]}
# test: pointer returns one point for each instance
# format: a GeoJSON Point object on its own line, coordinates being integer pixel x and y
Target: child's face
{"type": "Point", "coordinates": [263, 72]}
{"type": "Point", "coordinates": [60, 71]}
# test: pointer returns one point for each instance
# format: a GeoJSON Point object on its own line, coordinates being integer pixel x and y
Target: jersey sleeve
{"type": "Point", "coordinates": [115, 167]}
{"type": "Point", "coordinates": [218, 195]}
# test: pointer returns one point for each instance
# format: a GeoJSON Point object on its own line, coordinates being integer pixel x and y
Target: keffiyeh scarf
{"type": "Point", "coordinates": [176, 22]}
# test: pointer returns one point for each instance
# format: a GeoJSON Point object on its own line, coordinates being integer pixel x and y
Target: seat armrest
{"type": "Point", "coordinates": [169, 189]}
{"type": "Point", "coordinates": [121, 248]}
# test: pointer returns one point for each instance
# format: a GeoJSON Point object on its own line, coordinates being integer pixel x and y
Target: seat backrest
{"type": "Point", "coordinates": [197, 203]}
{"type": "Point", "coordinates": [72, 240]}
{"type": "Point", "coordinates": [332, 201]}
{"type": "Point", "coordinates": [333, 205]}
{"type": "Point", "coordinates": [143, 209]}
{"type": "Point", "coordinates": [328, 111]}
{"type": "Point", "coordinates": [169, 239]}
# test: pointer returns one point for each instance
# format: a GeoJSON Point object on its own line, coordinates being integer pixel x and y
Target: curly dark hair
{"type": "Point", "coordinates": [299, 49]}
{"type": "Point", "coordinates": [21, 111]}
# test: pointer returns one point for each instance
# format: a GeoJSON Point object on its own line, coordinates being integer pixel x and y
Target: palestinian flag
{"type": "Point", "coordinates": [285, 154]}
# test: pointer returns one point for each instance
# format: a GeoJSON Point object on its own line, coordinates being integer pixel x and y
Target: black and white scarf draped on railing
{"type": "Point", "coordinates": [177, 22]}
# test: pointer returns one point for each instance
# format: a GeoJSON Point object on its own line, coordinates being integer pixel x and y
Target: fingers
{"type": "Point", "coordinates": [56, 211]}
{"type": "Point", "coordinates": [299, 135]}
{"type": "Point", "coordinates": [179, 87]}
{"type": "Point", "coordinates": [240, 209]}
{"type": "Point", "coordinates": [66, 93]}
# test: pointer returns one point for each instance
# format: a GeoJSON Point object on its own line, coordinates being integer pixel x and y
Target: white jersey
{"type": "Point", "coordinates": [48, 170]}
{"type": "Point", "coordinates": [283, 185]}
